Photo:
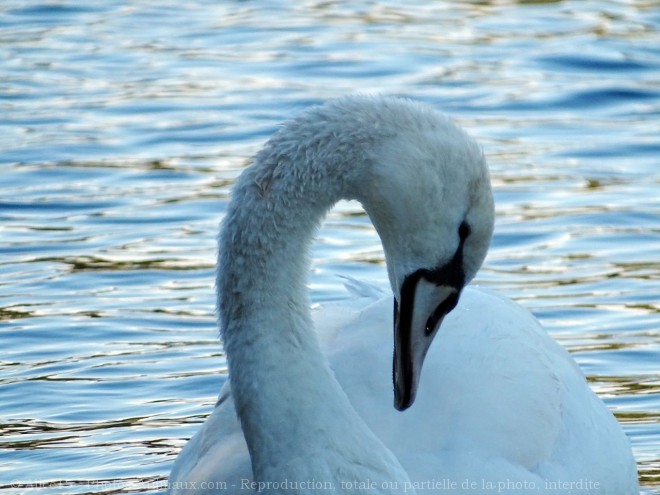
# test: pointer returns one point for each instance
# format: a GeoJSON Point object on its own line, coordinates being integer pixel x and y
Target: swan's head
{"type": "Point", "coordinates": [429, 196]}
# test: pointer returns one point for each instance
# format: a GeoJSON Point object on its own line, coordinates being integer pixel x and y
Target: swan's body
{"type": "Point", "coordinates": [501, 407]}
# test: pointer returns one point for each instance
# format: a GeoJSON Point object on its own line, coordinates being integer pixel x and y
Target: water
{"type": "Point", "coordinates": [123, 125]}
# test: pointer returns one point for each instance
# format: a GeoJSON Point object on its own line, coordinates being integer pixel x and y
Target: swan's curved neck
{"type": "Point", "coordinates": [297, 421]}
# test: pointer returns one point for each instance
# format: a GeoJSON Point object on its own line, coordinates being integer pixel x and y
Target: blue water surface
{"type": "Point", "coordinates": [124, 124]}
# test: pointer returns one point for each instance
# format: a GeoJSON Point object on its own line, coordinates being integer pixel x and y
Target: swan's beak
{"type": "Point", "coordinates": [417, 318]}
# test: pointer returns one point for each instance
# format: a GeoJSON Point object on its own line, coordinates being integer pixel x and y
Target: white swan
{"type": "Point", "coordinates": [501, 407]}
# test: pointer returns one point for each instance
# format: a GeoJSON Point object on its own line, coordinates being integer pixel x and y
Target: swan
{"type": "Point", "coordinates": [501, 407]}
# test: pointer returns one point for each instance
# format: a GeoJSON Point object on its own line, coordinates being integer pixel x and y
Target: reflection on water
{"type": "Point", "coordinates": [124, 126]}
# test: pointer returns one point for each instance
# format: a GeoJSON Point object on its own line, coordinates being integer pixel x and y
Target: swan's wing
{"type": "Point", "coordinates": [552, 422]}
{"type": "Point", "coordinates": [362, 289]}
{"type": "Point", "coordinates": [334, 317]}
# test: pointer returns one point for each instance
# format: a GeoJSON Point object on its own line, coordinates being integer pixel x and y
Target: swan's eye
{"type": "Point", "coordinates": [464, 231]}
